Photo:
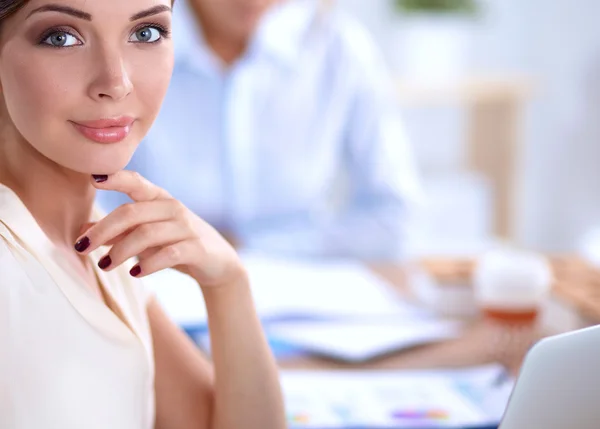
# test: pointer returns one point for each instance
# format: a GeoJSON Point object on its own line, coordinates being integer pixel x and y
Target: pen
{"type": "Point", "coordinates": [502, 378]}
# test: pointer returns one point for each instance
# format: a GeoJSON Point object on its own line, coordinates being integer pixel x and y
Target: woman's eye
{"type": "Point", "coordinates": [146, 35]}
{"type": "Point", "coordinates": [61, 39]}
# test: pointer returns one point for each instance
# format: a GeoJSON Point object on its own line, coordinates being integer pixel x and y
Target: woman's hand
{"type": "Point", "coordinates": [162, 233]}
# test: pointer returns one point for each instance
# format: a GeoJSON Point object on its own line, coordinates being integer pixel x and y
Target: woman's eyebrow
{"type": "Point", "coordinates": [62, 9]}
{"type": "Point", "coordinates": [88, 17]}
{"type": "Point", "coordinates": [149, 12]}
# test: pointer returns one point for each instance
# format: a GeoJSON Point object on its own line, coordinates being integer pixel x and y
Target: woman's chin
{"type": "Point", "coordinates": [102, 158]}
{"type": "Point", "coordinates": [99, 166]}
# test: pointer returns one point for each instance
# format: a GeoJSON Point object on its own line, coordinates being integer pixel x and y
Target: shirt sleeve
{"type": "Point", "coordinates": [381, 178]}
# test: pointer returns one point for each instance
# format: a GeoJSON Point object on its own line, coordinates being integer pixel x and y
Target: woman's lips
{"type": "Point", "coordinates": [111, 130]}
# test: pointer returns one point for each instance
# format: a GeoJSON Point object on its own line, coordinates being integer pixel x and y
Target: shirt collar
{"type": "Point", "coordinates": [285, 28]}
{"type": "Point", "coordinates": [280, 34]}
{"type": "Point", "coordinates": [17, 218]}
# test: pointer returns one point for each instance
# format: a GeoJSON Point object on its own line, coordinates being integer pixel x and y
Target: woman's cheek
{"type": "Point", "coordinates": [151, 83]}
{"type": "Point", "coordinates": [42, 91]}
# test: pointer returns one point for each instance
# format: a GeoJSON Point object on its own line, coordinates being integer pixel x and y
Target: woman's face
{"type": "Point", "coordinates": [84, 80]}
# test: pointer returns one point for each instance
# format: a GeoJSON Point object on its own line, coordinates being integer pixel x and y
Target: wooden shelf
{"type": "Point", "coordinates": [470, 90]}
{"type": "Point", "coordinates": [495, 106]}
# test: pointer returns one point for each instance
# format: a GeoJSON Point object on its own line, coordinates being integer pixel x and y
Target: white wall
{"type": "Point", "coordinates": [564, 135]}
{"type": "Point", "coordinates": [558, 43]}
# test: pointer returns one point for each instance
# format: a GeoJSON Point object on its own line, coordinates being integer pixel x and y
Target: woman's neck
{"type": "Point", "coordinates": [60, 200]}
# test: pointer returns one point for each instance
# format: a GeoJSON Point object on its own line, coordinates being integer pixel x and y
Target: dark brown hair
{"type": "Point", "coordinates": [10, 7]}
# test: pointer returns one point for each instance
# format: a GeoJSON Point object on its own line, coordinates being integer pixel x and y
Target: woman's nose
{"type": "Point", "coordinates": [112, 80]}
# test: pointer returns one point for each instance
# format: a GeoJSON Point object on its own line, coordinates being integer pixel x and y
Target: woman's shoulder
{"type": "Point", "coordinates": [8, 241]}
{"type": "Point", "coordinates": [12, 268]}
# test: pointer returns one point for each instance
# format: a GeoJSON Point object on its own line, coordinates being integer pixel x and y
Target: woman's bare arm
{"type": "Point", "coordinates": [247, 389]}
{"type": "Point", "coordinates": [243, 390]}
{"type": "Point", "coordinates": [184, 380]}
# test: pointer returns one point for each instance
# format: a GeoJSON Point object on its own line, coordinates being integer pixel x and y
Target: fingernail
{"type": "Point", "coordinates": [99, 178]}
{"type": "Point", "coordinates": [135, 271]}
{"type": "Point", "coordinates": [82, 244]}
{"type": "Point", "coordinates": [105, 262]}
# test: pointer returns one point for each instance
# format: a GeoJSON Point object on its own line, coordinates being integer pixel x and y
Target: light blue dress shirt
{"type": "Point", "coordinates": [297, 148]}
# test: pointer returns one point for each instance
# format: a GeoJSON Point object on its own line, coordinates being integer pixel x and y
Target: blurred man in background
{"type": "Point", "coordinates": [280, 129]}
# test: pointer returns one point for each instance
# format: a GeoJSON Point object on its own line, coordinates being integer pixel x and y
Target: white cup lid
{"type": "Point", "coordinates": [512, 277]}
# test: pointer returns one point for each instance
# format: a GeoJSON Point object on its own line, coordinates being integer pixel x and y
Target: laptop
{"type": "Point", "coordinates": [559, 384]}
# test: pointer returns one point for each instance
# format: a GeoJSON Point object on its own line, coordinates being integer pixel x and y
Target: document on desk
{"type": "Point", "coordinates": [360, 341]}
{"type": "Point", "coordinates": [284, 289]}
{"type": "Point", "coordinates": [397, 399]}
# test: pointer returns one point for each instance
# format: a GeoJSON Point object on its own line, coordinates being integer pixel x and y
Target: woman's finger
{"type": "Point", "coordinates": [131, 183]}
{"type": "Point", "coordinates": [148, 252]}
{"type": "Point", "coordinates": [167, 257]}
{"type": "Point", "coordinates": [86, 226]}
{"type": "Point", "coordinates": [144, 237]}
{"type": "Point", "coordinates": [125, 219]}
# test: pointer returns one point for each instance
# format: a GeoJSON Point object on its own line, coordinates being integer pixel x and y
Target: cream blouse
{"type": "Point", "coordinates": [67, 361]}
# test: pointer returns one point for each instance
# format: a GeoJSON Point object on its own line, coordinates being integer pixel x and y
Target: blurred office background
{"type": "Point", "coordinates": [543, 59]}
{"type": "Point", "coordinates": [501, 107]}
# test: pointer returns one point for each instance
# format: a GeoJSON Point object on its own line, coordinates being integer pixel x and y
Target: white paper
{"type": "Point", "coordinates": [284, 288]}
{"type": "Point", "coordinates": [392, 399]}
{"type": "Point", "coordinates": [360, 341]}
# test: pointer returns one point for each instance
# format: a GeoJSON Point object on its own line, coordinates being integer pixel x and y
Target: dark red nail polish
{"type": "Point", "coordinates": [82, 245]}
{"type": "Point", "coordinates": [99, 178]}
{"type": "Point", "coordinates": [135, 271]}
{"type": "Point", "coordinates": [105, 262]}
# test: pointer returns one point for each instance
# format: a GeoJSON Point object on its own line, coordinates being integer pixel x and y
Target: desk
{"type": "Point", "coordinates": [484, 342]}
